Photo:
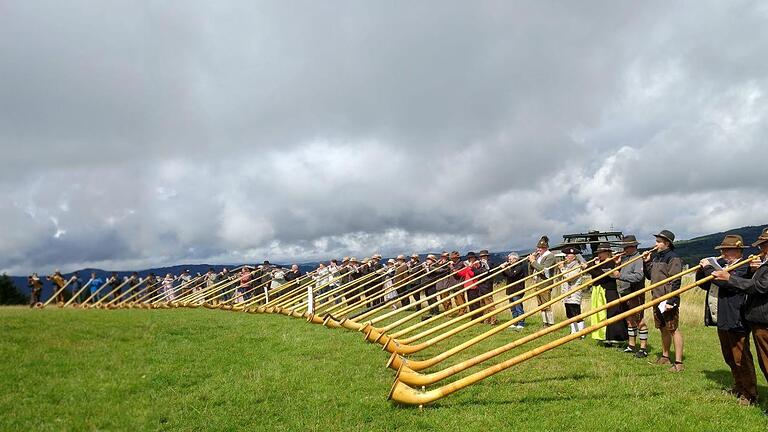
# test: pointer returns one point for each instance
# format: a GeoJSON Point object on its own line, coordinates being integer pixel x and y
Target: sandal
{"type": "Point", "coordinates": [677, 367]}
{"type": "Point", "coordinates": [663, 360]}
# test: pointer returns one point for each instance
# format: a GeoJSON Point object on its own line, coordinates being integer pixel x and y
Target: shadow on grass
{"type": "Point", "coordinates": [724, 378]}
{"type": "Point", "coordinates": [539, 399]}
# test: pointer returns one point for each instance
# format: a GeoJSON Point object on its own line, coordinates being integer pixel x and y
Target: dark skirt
{"type": "Point", "coordinates": [616, 331]}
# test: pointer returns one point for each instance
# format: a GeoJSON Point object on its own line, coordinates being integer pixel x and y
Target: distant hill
{"type": "Point", "coordinates": [691, 251]}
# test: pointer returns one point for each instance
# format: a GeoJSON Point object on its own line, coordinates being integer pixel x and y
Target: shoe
{"type": "Point", "coordinates": [745, 401]}
{"type": "Point", "coordinates": [641, 353]}
{"type": "Point", "coordinates": [662, 361]}
{"type": "Point", "coordinates": [514, 328]}
{"type": "Point", "coordinates": [677, 367]}
{"type": "Point", "coordinates": [629, 349]}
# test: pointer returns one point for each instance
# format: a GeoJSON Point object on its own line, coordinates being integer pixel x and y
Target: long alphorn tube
{"type": "Point", "coordinates": [111, 304]}
{"type": "Point", "coordinates": [77, 294]}
{"type": "Point", "coordinates": [294, 296]}
{"type": "Point", "coordinates": [473, 313]}
{"type": "Point", "coordinates": [356, 322]}
{"type": "Point", "coordinates": [419, 274]}
{"type": "Point", "coordinates": [138, 294]}
{"type": "Point", "coordinates": [59, 291]}
{"type": "Point", "coordinates": [547, 285]}
{"type": "Point", "coordinates": [201, 296]}
{"type": "Point", "coordinates": [410, 366]}
{"type": "Point", "coordinates": [290, 293]}
{"type": "Point", "coordinates": [402, 393]}
{"type": "Point", "coordinates": [119, 286]}
{"type": "Point", "coordinates": [150, 292]}
{"type": "Point", "coordinates": [456, 308]}
{"type": "Point", "coordinates": [473, 281]}
{"type": "Point", "coordinates": [85, 304]}
{"type": "Point", "coordinates": [400, 347]}
{"type": "Point", "coordinates": [408, 279]}
{"type": "Point", "coordinates": [299, 299]}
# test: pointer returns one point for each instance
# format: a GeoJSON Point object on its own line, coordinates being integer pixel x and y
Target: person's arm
{"type": "Point", "coordinates": [632, 273]}
{"type": "Point", "coordinates": [675, 266]}
{"type": "Point", "coordinates": [757, 284]}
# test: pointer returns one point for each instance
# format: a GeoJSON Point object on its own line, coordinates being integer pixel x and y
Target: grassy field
{"type": "Point", "coordinates": [202, 369]}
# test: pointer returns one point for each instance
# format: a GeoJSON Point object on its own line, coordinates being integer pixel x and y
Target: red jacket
{"type": "Point", "coordinates": [466, 274]}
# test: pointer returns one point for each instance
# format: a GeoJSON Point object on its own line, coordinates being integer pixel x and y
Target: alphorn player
{"type": "Point", "coordinates": [486, 286]}
{"type": "Point", "coordinates": [629, 279]}
{"type": "Point", "coordinates": [666, 316]}
{"type": "Point", "coordinates": [568, 268]}
{"type": "Point", "coordinates": [471, 269]}
{"type": "Point", "coordinates": [429, 264]}
{"type": "Point", "coordinates": [58, 284]}
{"type": "Point", "coordinates": [513, 274]}
{"type": "Point", "coordinates": [615, 333]}
{"type": "Point", "coordinates": [36, 287]}
{"type": "Point", "coordinates": [540, 261]}
{"type": "Point", "coordinates": [756, 307]}
{"type": "Point", "coordinates": [456, 266]}
{"type": "Point", "coordinates": [443, 280]}
{"type": "Point", "coordinates": [722, 309]}
{"type": "Point", "coordinates": [401, 275]}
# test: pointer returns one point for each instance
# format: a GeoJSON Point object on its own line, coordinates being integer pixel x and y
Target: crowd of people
{"type": "Point", "coordinates": [737, 300]}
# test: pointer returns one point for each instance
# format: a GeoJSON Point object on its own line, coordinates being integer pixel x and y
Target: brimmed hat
{"type": "Point", "coordinates": [376, 256]}
{"type": "Point", "coordinates": [629, 240]}
{"type": "Point", "coordinates": [353, 259]}
{"type": "Point", "coordinates": [471, 255]}
{"type": "Point", "coordinates": [667, 235]}
{"type": "Point", "coordinates": [543, 242]}
{"type": "Point", "coordinates": [445, 254]}
{"type": "Point", "coordinates": [431, 257]}
{"type": "Point", "coordinates": [484, 253]}
{"type": "Point", "coordinates": [604, 247]}
{"type": "Point", "coordinates": [731, 241]}
{"type": "Point", "coordinates": [345, 259]}
{"type": "Point", "coordinates": [415, 255]}
{"type": "Point", "coordinates": [390, 261]}
{"type": "Point", "coordinates": [401, 257]}
{"type": "Point", "coordinates": [762, 238]}
{"type": "Point", "coordinates": [570, 250]}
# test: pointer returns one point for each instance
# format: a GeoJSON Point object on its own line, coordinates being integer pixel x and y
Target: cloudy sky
{"type": "Point", "coordinates": [142, 133]}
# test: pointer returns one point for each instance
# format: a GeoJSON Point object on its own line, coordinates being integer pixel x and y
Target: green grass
{"type": "Point", "coordinates": [204, 369]}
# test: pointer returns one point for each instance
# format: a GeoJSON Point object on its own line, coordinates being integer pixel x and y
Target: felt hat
{"type": "Point", "coordinates": [731, 241]}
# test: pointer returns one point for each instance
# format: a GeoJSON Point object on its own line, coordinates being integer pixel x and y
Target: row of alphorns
{"type": "Point", "coordinates": [404, 332]}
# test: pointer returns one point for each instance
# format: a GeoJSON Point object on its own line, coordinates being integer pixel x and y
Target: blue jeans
{"type": "Point", "coordinates": [517, 309]}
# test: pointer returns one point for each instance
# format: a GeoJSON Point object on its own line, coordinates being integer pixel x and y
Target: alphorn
{"type": "Point", "coordinates": [404, 394]}
{"type": "Point", "coordinates": [393, 346]}
{"type": "Point", "coordinates": [77, 294]}
{"type": "Point", "coordinates": [56, 293]}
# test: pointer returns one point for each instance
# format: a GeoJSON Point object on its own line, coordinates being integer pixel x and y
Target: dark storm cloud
{"type": "Point", "coordinates": [137, 134]}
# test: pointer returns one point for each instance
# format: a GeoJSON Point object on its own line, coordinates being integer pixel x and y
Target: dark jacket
{"type": "Point", "coordinates": [513, 274]}
{"type": "Point", "coordinates": [481, 272]}
{"type": "Point", "coordinates": [756, 305]}
{"type": "Point", "coordinates": [663, 265]}
{"type": "Point", "coordinates": [608, 283]}
{"type": "Point", "coordinates": [730, 300]}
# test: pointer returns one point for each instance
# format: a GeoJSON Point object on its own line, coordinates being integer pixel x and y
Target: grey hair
{"type": "Point", "coordinates": [513, 255]}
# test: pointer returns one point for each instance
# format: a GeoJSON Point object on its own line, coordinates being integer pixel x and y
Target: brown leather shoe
{"type": "Point", "coordinates": [677, 367]}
